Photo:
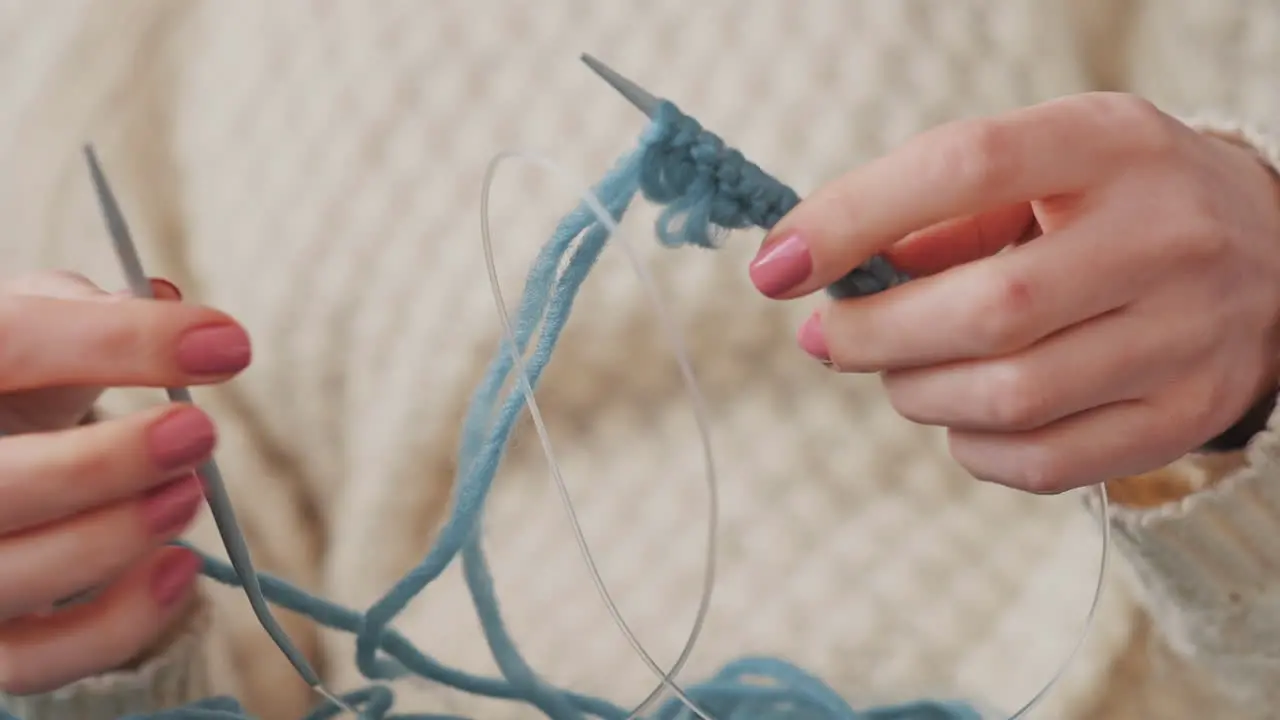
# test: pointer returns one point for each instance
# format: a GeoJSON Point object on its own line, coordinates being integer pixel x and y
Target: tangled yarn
{"type": "Point", "coordinates": [706, 189]}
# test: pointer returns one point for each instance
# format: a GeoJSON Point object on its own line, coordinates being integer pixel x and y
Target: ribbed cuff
{"type": "Point", "coordinates": [175, 676]}
{"type": "Point", "coordinates": [1207, 560]}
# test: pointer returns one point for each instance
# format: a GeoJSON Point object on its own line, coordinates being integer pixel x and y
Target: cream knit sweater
{"type": "Point", "coordinates": [313, 168]}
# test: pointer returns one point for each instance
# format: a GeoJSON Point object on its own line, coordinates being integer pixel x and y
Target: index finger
{"type": "Point", "coordinates": [963, 168]}
{"type": "Point", "coordinates": [53, 342]}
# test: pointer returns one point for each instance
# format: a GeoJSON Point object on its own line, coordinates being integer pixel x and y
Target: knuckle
{"type": "Point", "coordinates": [1016, 399]}
{"type": "Point", "coordinates": [904, 399]}
{"type": "Point", "coordinates": [125, 337]}
{"type": "Point", "coordinates": [1196, 235]}
{"type": "Point", "coordinates": [1041, 470]}
{"type": "Point", "coordinates": [1133, 111]}
{"type": "Point", "coordinates": [1146, 127]}
{"type": "Point", "coordinates": [999, 319]}
{"type": "Point", "coordinates": [1031, 467]}
{"type": "Point", "coordinates": [1200, 412]}
{"type": "Point", "coordinates": [978, 154]}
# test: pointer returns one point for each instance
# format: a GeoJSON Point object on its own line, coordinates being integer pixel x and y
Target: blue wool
{"type": "Point", "coordinates": [706, 189]}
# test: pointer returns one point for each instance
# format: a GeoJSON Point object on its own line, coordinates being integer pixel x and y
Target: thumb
{"type": "Point", "coordinates": [961, 240]}
{"type": "Point", "coordinates": [62, 284]}
{"type": "Point", "coordinates": [67, 285]}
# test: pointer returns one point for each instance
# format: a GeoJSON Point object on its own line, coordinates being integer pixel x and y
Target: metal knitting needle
{"type": "Point", "coordinates": [873, 276]}
{"type": "Point", "coordinates": [638, 96]}
{"type": "Point", "coordinates": [219, 500]}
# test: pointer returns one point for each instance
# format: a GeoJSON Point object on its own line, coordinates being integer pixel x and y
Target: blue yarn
{"type": "Point", "coordinates": [706, 189]}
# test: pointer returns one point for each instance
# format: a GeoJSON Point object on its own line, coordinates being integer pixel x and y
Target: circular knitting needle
{"type": "Point", "coordinates": [219, 500]}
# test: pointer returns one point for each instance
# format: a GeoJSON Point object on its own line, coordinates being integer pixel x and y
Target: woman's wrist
{"type": "Point", "coordinates": [1261, 148]}
{"type": "Point", "coordinates": [1245, 429]}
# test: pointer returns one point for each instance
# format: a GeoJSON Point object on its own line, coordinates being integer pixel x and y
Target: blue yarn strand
{"type": "Point", "coordinates": [706, 189]}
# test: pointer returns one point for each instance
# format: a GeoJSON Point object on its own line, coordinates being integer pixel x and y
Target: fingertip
{"type": "Point", "coordinates": [812, 339]}
{"type": "Point", "coordinates": [180, 435]}
{"type": "Point", "coordinates": [781, 265]}
{"type": "Point", "coordinates": [214, 351]}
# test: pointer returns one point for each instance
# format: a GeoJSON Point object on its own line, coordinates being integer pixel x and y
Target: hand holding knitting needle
{"type": "Point", "coordinates": [1133, 315]}
{"type": "Point", "coordinates": [89, 507]}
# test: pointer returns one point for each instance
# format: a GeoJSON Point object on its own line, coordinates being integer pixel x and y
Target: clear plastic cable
{"type": "Point", "coordinates": [667, 678]}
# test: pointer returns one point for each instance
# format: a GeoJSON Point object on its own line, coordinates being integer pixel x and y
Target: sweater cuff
{"type": "Point", "coordinates": [1202, 537]}
{"type": "Point", "coordinates": [175, 675]}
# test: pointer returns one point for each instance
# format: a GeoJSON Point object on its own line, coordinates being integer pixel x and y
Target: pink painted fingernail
{"type": "Point", "coordinates": [215, 350]}
{"type": "Point", "coordinates": [781, 266]}
{"type": "Point", "coordinates": [169, 508]}
{"type": "Point", "coordinates": [811, 339]}
{"type": "Point", "coordinates": [165, 290]}
{"type": "Point", "coordinates": [174, 574]}
{"type": "Point", "coordinates": [181, 438]}
{"type": "Point", "coordinates": [160, 288]}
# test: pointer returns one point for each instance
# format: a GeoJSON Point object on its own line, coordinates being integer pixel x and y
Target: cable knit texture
{"type": "Point", "coordinates": [313, 167]}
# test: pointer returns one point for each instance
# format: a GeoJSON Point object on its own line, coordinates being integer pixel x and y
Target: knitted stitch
{"type": "Point", "coordinates": [708, 188]}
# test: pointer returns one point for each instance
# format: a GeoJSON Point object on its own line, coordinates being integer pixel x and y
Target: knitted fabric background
{"type": "Point", "coordinates": [314, 169]}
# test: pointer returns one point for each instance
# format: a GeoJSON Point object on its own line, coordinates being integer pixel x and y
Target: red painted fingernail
{"type": "Point", "coordinates": [781, 266]}
{"type": "Point", "coordinates": [181, 438]}
{"type": "Point", "coordinates": [215, 350]}
{"type": "Point", "coordinates": [169, 508]}
{"type": "Point", "coordinates": [174, 574]}
{"type": "Point", "coordinates": [811, 339]}
{"type": "Point", "coordinates": [165, 290]}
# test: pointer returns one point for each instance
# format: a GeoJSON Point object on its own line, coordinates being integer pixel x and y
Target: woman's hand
{"type": "Point", "coordinates": [1142, 320]}
{"type": "Point", "coordinates": [89, 507]}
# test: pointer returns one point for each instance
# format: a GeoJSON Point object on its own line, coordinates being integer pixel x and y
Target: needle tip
{"type": "Point", "coordinates": [96, 175]}
{"type": "Point", "coordinates": [644, 101]}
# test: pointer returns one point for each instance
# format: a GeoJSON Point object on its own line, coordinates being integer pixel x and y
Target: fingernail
{"type": "Point", "coordinates": [781, 266]}
{"type": "Point", "coordinates": [215, 350]}
{"type": "Point", "coordinates": [161, 289]}
{"type": "Point", "coordinates": [811, 339]}
{"type": "Point", "coordinates": [169, 508]}
{"type": "Point", "coordinates": [173, 575]}
{"type": "Point", "coordinates": [182, 438]}
{"type": "Point", "coordinates": [165, 290]}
